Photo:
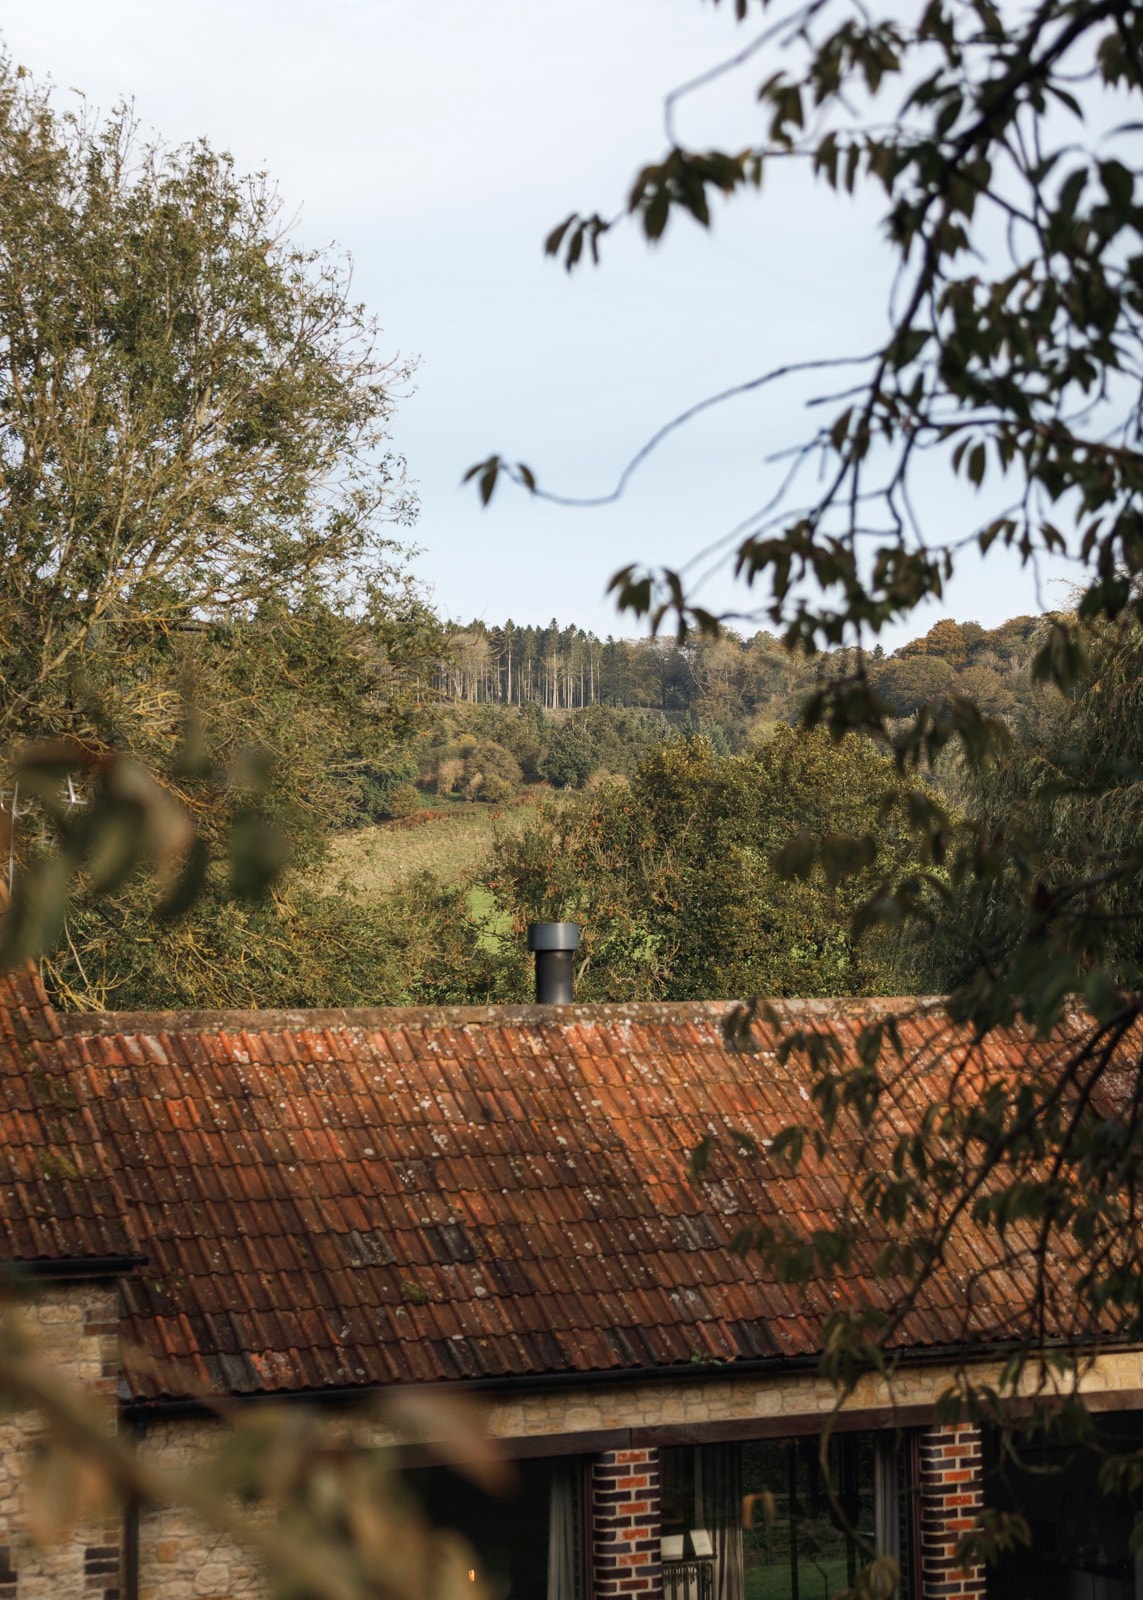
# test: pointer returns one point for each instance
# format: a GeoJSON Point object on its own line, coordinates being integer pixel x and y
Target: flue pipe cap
{"type": "Point", "coordinates": [553, 936]}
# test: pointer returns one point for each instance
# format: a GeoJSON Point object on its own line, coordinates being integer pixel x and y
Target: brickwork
{"type": "Point", "coordinates": [75, 1328]}
{"type": "Point", "coordinates": [625, 1525]}
{"type": "Point", "coordinates": [952, 1493]}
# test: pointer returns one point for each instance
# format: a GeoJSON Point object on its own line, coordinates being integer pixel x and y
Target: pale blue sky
{"type": "Point", "coordinates": [437, 141]}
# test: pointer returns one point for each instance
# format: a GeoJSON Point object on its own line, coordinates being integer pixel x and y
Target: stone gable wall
{"type": "Point", "coordinates": [179, 1557]}
{"type": "Point", "coordinates": [75, 1327]}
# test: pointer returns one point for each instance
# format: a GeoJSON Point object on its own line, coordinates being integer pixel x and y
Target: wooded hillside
{"type": "Point", "coordinates": [727, 678]}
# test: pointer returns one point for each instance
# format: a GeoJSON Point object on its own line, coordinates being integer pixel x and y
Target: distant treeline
{"type": "Point", "coordinates": [732, 680]}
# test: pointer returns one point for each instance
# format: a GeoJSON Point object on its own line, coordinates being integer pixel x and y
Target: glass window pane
{"type": "Point", "coordinates": [807, 1552]}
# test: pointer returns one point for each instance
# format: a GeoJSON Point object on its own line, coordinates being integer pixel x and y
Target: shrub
{"type": "Point", "coordinates": [571, 757]}
{"type": "Point", "coordinates": [488, 763]}
{"type": "Point", "coordinates": [449, 773]}
{"type": "Point", "coordinates": [377, 783]}
{"type": "Point", "coordinates": [497, 791]}
{"type": "Point", "coordinates": [404, 799]}
{"type": "Point", "coordinates": [487, 759]}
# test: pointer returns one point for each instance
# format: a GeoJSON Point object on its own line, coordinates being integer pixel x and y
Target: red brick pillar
{"type": "Point", "coordinates": [952, 1493]}
{"type": "Point", "coordinates": [625, 1525]}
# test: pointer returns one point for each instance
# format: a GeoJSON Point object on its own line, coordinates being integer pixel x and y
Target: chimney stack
{"type": "Point", "coordinates": [554, 944]}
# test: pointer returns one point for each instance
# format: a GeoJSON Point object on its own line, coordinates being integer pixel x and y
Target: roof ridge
{"type": "Point", "coordinates": [86, 1023]}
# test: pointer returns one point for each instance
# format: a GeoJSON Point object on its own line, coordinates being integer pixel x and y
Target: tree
{"type": "Point", "coordinates": [195, 412]}
{"type": "Point", "coordinates": [987, 690]}
{"type": "Point", "coordinates": [907, 684]}
{"type": "Point", "coordinates": [1059, 805]}
{"type": "Point", "coordinates": [418, 944]}
{"type": "Point", "coordinates": [671, 874]}
{"type": "Point", "coordinates": [945, 639]}
{"type": "Point", "coordinates": [195, 488]}
{"type": "Point", "coordinates": [1008, 163]}
{"type": "Point", "coordinates": [197, 496]}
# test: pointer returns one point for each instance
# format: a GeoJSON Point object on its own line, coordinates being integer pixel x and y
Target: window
{"type": "Point", "coordinates": [807, 1551]}
{"type": "Point", "coordinates": [529, 1545]}
{"type": "Point", "coordinates": [1081, 1537]}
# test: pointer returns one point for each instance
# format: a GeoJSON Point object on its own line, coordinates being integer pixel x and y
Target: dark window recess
{"type": "Point", "coordinates": [806, 1552]}
{"type": "Point", "coordinates": [1081, 1537]}
{"type": "Point", "coordinates": [527, 1545]}
{"type": "Point", "coordinates": [907, 1457]}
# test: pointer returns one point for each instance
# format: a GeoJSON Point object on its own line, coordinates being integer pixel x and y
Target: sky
{"type": "Point", "coordinates": [436, 142]}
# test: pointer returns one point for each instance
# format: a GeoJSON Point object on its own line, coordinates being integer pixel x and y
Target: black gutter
{"type": "Point", "coordinates": [78, 1266]}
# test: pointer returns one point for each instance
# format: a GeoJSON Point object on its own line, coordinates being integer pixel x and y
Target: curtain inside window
{"type": "Point", "coordinates": [719, 1504]}
{"type": "Point", "coordinates": [886, 1498]}
{"type": "Point", "coordinates": [565, 1533]}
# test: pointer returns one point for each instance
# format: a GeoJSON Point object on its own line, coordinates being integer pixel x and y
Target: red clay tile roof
{"type": "Point", "coordinates": [333, 1199]}
{"type": "Point", "coordinates": [58, 1199]}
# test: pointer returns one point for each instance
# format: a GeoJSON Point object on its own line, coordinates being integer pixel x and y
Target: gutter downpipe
{"type": "Point", "coordinates": [131, 1519]}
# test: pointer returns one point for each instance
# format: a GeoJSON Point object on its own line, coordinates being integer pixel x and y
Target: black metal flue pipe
{"type": "Point", "coordinates": [554, 943]}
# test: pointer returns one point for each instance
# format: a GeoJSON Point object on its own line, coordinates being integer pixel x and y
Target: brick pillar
{"type": "Point", "coordinates": [625, 1525]}
{"type": "Point", "coordinates": [952, 1492]}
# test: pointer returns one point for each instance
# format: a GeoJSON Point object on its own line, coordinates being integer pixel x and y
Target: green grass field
{"type": "Point", "coordinates": [450, 844]}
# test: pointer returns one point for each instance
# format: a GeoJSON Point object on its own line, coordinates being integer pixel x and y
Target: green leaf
{"type": "Point", "coordinates": [1070, 190]}
{"type": "Point", "coordinates": [114, 845]}
{"type": "Point", "coordinates": [188, 885]}
{"type": "Point", "coordinates": [1119, 184]}
{"type": "Point", "coordinates": [556, 238]}
{"type": "Point", "coordinates": [258, 853]}
{"type": "Point", "coordinates": [35, 916]}
{"type": "Point", "coordinates": [845, 855]}
{"type": "Point", "coordinates": [486, 472]}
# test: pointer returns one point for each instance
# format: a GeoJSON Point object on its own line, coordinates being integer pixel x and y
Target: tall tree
{"type": "Point", "coordinates": [1061, 807]}
{"type": "Point", "coordinates": [197, 492]}
{"type": "Point", "coordinates": [193, 411]}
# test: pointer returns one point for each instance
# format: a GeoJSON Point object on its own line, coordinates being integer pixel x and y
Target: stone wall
{"type": "Point", "coordinates": [713, 1404]}
{"type": "Point", "coordinates": [179, 1557]}
{"type": "Point", "coordinates": [75, 1328]}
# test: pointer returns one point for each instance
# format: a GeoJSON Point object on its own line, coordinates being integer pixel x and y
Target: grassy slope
{"type": "Point", "coordinates": [451, 844]}
{"type": "Point", "coordinates": [372, 860]}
